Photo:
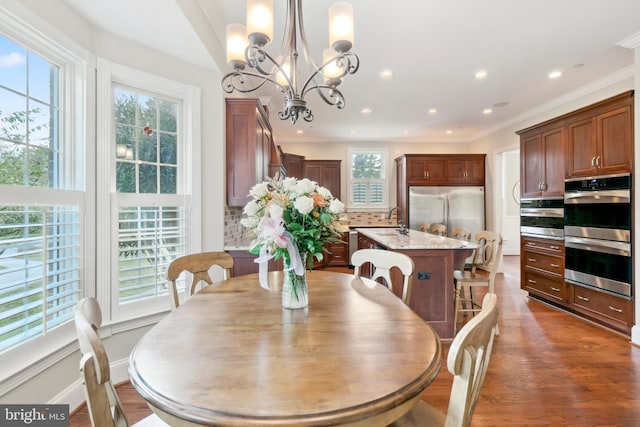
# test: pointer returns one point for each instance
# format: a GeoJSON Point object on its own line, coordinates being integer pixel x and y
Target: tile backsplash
{"type": "Point", "coordinates": [236, 235]}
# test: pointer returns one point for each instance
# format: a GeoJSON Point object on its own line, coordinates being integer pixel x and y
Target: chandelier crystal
{"type": "Point", "coordinates": [253, 66]}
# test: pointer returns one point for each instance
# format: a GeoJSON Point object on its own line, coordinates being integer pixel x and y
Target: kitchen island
{"type": "Point", "coordinates": [435, 259]}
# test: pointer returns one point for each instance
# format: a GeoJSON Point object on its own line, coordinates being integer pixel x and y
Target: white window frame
{"type": "Point", "coordinates": [109, 201]}
{"type": "Point", "coordinates": [384, 180]}
{"type": "Point", "coordinates": [75, 64]}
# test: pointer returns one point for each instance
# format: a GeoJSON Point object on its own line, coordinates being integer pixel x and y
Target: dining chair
{"type": "Point", "coordinates": [425, 227]}
{"type": "Point", "coordinates": [198, 265]}
{"type": "Point", "coordinates": [482, 273]}
{"type": "Point", "coordinates": [439, 229]}
{"type": "Point", "coordinates": [468, 361]}
{"type": "Point", "coordinates": [383, 261]}
{"type": "Point", "coordinates": [103, 403]}
{"type": "Point", "coordinates": [461, 233]}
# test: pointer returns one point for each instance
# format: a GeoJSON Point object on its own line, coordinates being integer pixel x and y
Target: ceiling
{"type": "Point", "coordinates": [434, 48]}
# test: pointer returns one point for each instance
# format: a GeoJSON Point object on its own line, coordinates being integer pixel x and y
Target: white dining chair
{"type": "Point", "coordinates": [383, 261]}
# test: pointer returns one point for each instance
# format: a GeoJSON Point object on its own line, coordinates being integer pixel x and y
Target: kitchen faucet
{"type": "Point", "coordinates": [399, 219]}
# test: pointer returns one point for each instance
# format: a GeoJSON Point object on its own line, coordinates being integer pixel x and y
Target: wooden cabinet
{"type": "Point", "coordinates": [462, 171]}
{"type": "Point", "coordinates": [610, 310]}
{"type": "Point", "coordinates": [542, 161]}
{"type": "Point", "coordinates": [249, 147]}
{"type": "Point", "coordinates": [436, 170]}
{"type": "Point", "coordinates": [338, 255]}
{"type": "Point", "coordinates": [542, 271]}
{"type": "Point", "coordinates": [600, 138]}
{"type": "Point", "coordinates": [293, 165]}
{"type": "Point", "coordinates": [325, 172]}
{"type": "Point", "coordinates": [425, 170]}
{"type": "Point", "coordinates": [243, 263]}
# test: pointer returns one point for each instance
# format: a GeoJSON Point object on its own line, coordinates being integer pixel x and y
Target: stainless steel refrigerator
{"type": "Point", "coordinates": [452, 206]}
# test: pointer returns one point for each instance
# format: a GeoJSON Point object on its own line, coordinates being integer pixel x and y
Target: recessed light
{"type": "Point", "coordinates": [386, 74]}
{"type": "Point", "coordinates": [449, 132]}
{"type": "Point", "coordinates": [299, 131]}
{"type": "Point", "coordinates": [487, 111]}
{"type": "Point", "coordinates": [366, 111]}
{"type": "Point", "coordinates": [432, 111]}
{"type": "Point", "coordinates": [500, 104]}
{"type": "Point", "coordinates": [554, 74]}
{"type": "Point", "coordinates": [405, 132]}
{"type": "Point", "coordinates": [353, 132]}
{"type": "Point", "coordinates": [481, 74]}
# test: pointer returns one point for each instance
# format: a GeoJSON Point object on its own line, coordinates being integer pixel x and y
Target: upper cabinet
{"type": "Point", "coordinates": [542, 161]}
{"type": "Point", "coordinates": [249, 148]}
{"type": "Point", "coordinates": [600, 138]}
{"type": "Point", "coordinates": [465, 170]}
{"type": "Point", "coordinates": [441, 169]}
{"type": "Point", "coordinates": [325, 172]}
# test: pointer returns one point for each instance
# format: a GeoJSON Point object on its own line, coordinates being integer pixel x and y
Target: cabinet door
{"type": "Point", "coordinates": [553, 143]}
{"type": "Point", "coordinates": [294, 164]}
{"type": "Point", "coordinates": [426, 171]}
{"type": "Point", "coordinates": [465, 172]}
{"type": "Point", "coordinates": [582, 147]}
{"type": "Point", "coordinates": [531, 165]}
{"type": "Point", "coordinates": [614, 141]}
{"type": "Point", "coordinates": [325, 172]}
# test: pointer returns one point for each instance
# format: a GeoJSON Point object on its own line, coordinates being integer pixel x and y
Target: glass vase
{"type": "Point", "coordinates": [294, 289]}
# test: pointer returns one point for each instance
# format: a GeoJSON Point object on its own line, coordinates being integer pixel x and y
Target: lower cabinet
{"type": "Point", "coordinates": [243, 263]}
{"type": "Point", "coordinates": [542, 262]}
{"type": "Point", "coordinates": [338, 255]}
{"type": "Point", "coordinates": [610, 310]}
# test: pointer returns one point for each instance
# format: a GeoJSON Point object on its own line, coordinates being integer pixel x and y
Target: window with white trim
{"type": "Point", "coordinates": [367, 179]}
{"type": "Point", "coordinates": [41, 209]}
{"type": "Point", "coordinates": [149, 188]}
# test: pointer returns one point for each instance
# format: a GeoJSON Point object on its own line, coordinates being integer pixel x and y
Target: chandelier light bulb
{"type": "Point", "coordinates": [260, 21]}
{"type": "Point", "coordinates": [341, 26]}
{"type": "Point", "coordinates": [236, 45]}
{"type": "Point", "coordinates": [332, 72]}
{"type": "Point", "coordinates": [282, 75]}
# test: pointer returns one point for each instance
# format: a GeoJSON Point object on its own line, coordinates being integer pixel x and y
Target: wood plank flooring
{"type": "Point", "coordinates": [547, 369]}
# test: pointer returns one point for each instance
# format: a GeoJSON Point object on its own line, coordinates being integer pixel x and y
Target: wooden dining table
{"type": "Point", "coordinates": [232, 356]}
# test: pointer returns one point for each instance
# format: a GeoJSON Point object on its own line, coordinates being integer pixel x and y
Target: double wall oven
{"type": "Point", "coordinates": [597, 233]}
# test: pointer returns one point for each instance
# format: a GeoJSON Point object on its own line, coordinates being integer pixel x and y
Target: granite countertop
{"type": "Point", "coordinates": [391, 239]}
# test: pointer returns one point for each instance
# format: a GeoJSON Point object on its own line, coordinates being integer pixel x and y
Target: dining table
{"type": "Point", "coordinates": [230, 355]}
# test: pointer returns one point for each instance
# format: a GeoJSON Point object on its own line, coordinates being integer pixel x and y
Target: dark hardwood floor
{"type": "Point", "coordinates": [547, 369]}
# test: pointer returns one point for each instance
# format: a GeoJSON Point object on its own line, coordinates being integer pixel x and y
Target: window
{"type": "Point", "coordinates": [41, 210]}
{"type": "Point", "coordinates": [148, 194]}
{"type": "Point", "coordinates": [368, 186]}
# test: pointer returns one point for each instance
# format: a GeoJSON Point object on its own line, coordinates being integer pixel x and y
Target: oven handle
{"type": "Point", "coordinates": [603, 246]}
{"type": "Point", "coordinates": [600, 196]}
{"type": "Point", "coordinates": [538, 212]}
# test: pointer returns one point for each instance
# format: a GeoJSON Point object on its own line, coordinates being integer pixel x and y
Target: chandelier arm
{"type": "Point", "coordinates": [255, 64]}
{"type": "Point", "coordinates": [230, 86]}
{"type": "Point", "coordinates": [334, 97]}
{"type": "Point", "coordinates": [347, 62]}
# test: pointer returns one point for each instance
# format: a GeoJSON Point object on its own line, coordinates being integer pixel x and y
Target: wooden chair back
{"type": "Point", "coordinates": [468, 361]}
{"type": "Point", "coordinates": [198, 265]}
{"type": "Point", "coordinates": [103, 403]}
{"type": "Point", "coordinates": [461, 233]}
{"type": "Point", "coordinates": [487, 256]}
{"type": "Point", "coordinates": [383, 261]}
{"type": "Point", "coordinates": [425, 227]}
{"type": "Point", "coordinates": [439, 229]}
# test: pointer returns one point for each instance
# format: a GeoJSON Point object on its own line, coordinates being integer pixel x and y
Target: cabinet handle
{"type": "Point", "coordinates": [585, 299]}
{"type": "Point", "coordinates": [530, 244]}
{"type": "Point", "coordinates": [615, 309]}
{"type": "Point", "coordinates": [593, 162]}
{"type": "Point", "coordinates": [555, 289]}
{"type": "Point", "coordinates": [532, 281]}
{"type": "Point", "coordinates": [424, 174]}
{"type": "Point", "coordinates": [554, 265]}
{"type": "Point", "coordinates": [554, 247]}
{"type": "Point", "coordinates": [598, 161]}
{"type": "Point", "coordinates": [532, 260]}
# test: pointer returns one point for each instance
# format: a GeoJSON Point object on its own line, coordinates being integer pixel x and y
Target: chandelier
{"type": "Point", "coordinates": [253, 66]}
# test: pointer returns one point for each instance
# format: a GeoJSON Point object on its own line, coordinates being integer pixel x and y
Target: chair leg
{"type": "Point", "coordinates": [456, 310]}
